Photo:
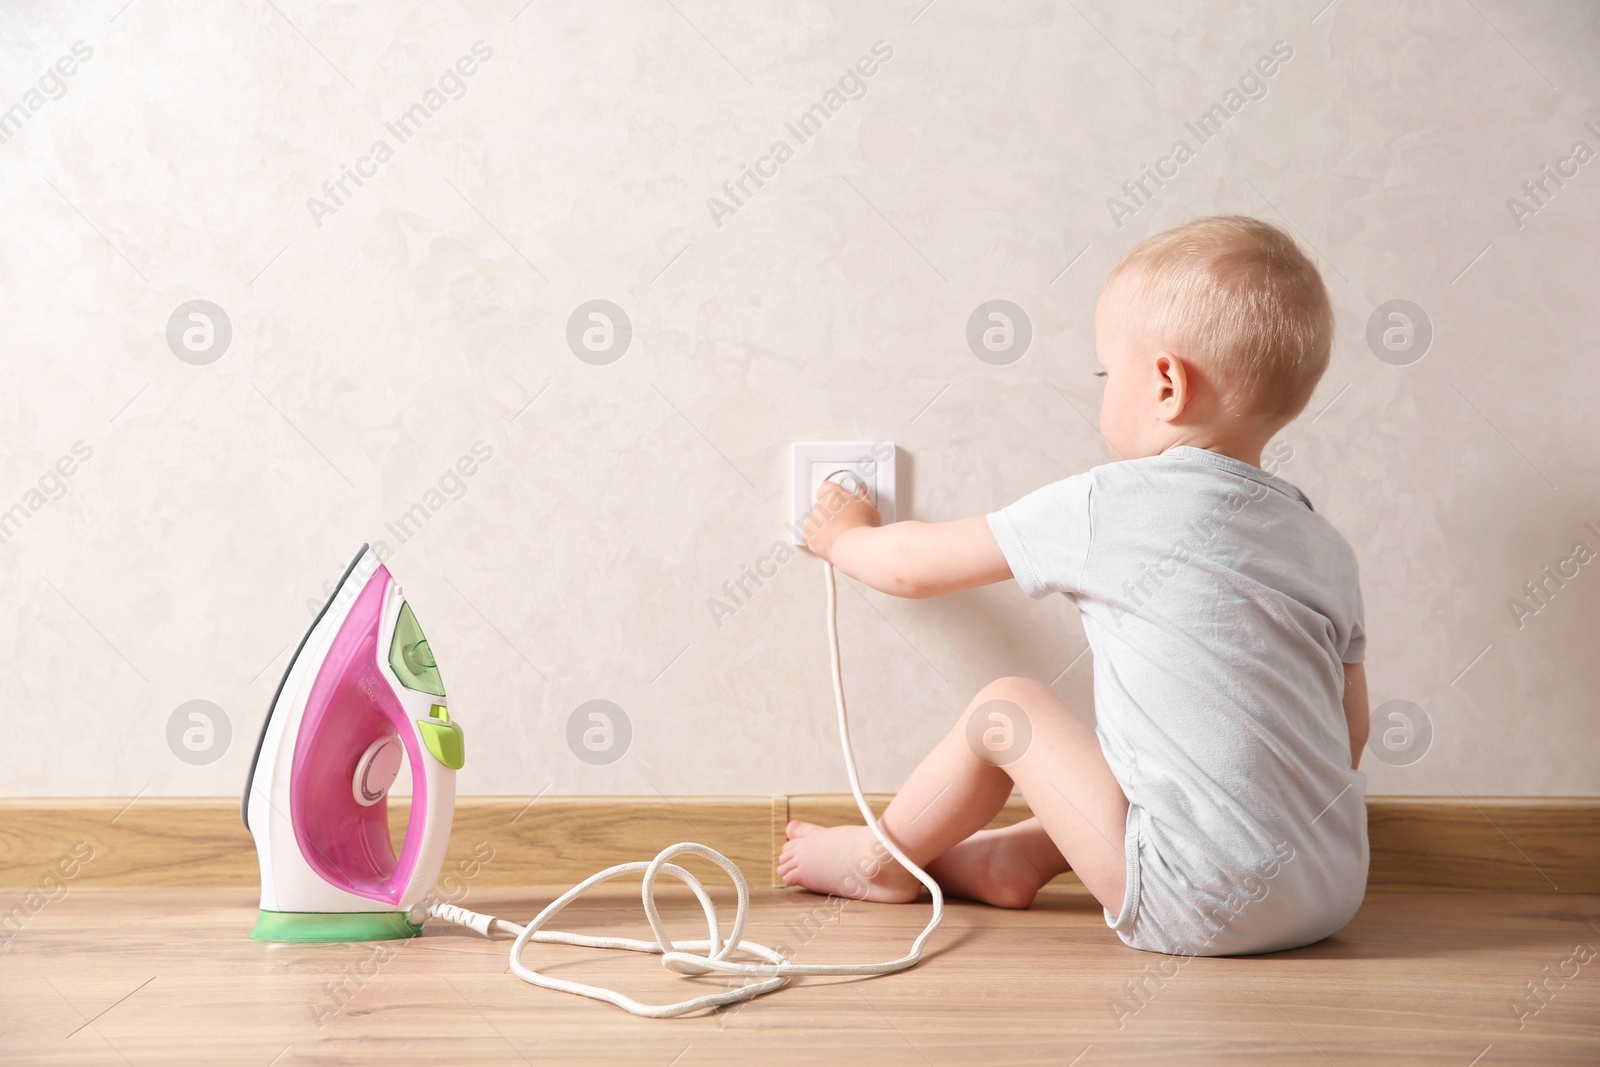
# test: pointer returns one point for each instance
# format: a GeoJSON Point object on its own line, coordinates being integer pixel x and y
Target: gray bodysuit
{"type": "Point", "coordinates": [1220, 608]}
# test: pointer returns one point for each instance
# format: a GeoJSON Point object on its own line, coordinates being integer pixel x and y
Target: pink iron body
{"type": "Point", "coordinates": [361, 695]}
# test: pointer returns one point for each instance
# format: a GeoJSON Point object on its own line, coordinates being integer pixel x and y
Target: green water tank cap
{"type": "Point", "coordinates": [410, 657]}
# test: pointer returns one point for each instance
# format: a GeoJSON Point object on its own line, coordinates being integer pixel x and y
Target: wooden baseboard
{"type": "Point", "coordinates": [1495, 844]}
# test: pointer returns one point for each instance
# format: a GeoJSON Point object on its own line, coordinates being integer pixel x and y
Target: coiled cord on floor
{"type": "Point", "coordinates": [710, 954]}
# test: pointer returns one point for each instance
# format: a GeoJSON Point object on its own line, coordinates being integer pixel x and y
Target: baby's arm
{"type": "Point", "coordinates": [1356, 714]}
{"type": "Point", "coordinates": [909, 559]}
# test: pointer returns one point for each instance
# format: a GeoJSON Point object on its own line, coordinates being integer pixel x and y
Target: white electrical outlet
{"type": "Point", "coordinates": [872, 462]}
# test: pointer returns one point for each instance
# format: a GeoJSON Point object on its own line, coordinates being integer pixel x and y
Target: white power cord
{"type": "Point", "coordinates": [710, 954]}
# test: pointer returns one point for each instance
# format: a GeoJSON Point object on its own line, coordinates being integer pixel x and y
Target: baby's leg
{"type": "Point", "coordinates": [1005, 867]}
{"type": "Point", "coordinates": [960, 787]}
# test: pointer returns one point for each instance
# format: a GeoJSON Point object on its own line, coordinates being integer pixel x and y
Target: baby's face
{"type": "Point", "coordinates": [1128, 410]}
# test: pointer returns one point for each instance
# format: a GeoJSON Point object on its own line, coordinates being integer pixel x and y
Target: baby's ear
{"type": "Point", "coordinates": [1173, 385]}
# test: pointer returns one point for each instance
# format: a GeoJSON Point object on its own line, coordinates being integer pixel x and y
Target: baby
{"type": "Point", "coordinates": [1215, 807]}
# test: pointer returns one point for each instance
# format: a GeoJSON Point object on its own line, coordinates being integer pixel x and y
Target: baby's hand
{"type": "Point", "coordinates": [837, 510]}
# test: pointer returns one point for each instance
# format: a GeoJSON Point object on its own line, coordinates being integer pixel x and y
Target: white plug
{"type": "Point", "coordinates": [851, 482]}
{"type": "Point", "coordinates": [867, 464]}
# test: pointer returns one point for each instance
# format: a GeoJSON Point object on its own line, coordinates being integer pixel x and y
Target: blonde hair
{"type": "Point", "coordinates": [1237, 296]}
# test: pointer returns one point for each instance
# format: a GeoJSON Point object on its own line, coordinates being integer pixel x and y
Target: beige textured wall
{"type": "Point", "coordinates": [378, 340]}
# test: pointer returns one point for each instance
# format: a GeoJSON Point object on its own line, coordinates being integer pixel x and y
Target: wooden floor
{"type": "Point", "coordinates": [168, 976]}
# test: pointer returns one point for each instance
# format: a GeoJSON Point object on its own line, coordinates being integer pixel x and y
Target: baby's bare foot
{"type": "Point", "coordinates": [845, 861]}
{"type": "Point", "coordinates": [987, 867]}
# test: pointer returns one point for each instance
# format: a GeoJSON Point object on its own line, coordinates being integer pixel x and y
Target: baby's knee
{"type": "Point", "coordinates": [998, 724]}
{"type": "Point", "coordinates": [1001, 715]}
{"type": "Point", "coordinates": [1014, 689]}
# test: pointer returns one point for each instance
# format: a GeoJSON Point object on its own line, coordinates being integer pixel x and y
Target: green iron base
{"type": "Point", "coordinates": [331, 926]}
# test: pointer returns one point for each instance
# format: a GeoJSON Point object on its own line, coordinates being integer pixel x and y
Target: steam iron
{"type": "Point", "coordinates": [360, 694]}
